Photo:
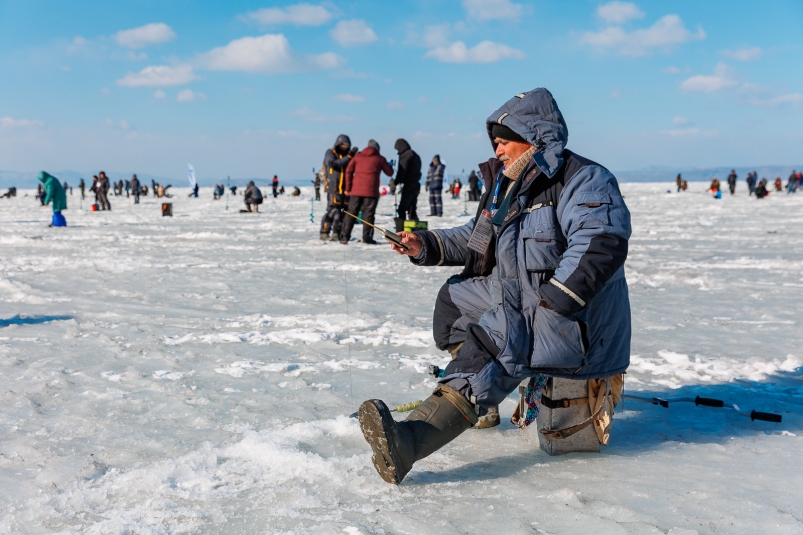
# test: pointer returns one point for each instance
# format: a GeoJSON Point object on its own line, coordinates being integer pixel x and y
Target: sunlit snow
{"type": "Point", "coordinates": [195, 374]}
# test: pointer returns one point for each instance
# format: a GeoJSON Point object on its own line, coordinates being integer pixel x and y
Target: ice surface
{"type": "Point", "coordinates": [194, 375]}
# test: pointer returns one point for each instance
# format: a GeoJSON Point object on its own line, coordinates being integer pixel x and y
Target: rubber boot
{"type": "Point", "coordinates": [397, 445]}
{"type": "Point", "coordinates": [491, 418]}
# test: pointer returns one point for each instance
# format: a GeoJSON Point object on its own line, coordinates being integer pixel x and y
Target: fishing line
{"type": "Point", "coordinates": [348, 331]}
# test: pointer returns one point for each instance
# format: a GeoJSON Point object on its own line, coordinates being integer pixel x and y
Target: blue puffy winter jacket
{"type": "Point", "coordinates": [558, 281]}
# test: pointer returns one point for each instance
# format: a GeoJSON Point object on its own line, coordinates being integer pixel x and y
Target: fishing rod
{"type": "Point", "coordinates": [392, 237]}
{"type": "Point", "coordinates": [707, 402]}
{"type": "Point", "coordinates": [407, 407]}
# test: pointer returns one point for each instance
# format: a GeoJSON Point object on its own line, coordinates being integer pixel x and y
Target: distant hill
{"type": "Point", "coordinates": [668, 174]}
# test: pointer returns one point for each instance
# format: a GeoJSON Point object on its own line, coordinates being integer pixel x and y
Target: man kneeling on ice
{"type": "Point", "coordinates": [542, 290]}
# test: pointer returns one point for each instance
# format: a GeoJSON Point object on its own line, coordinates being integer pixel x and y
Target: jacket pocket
{"type": "Point", "coordinates": [558, 341]}
{"type": "Point", "coordinates": [593, 209]}
{"type": "Point", "coordinates": [542, 249]}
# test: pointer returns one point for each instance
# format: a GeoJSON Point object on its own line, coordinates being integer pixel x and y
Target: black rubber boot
{"type": "Point", "coordinates": [397, 445]}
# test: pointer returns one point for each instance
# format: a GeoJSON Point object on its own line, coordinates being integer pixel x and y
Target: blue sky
{"type": "Point", "coordinates": [252, 89]}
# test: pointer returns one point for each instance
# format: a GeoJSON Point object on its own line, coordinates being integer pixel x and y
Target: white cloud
{"type": "Point", "coordinates": [395, 105]}
{"type": "Point", "coordinates": [671, 70]}
{"type": "Point", "coordinates": [794, 99]}
{"type": "Point", "coordinates": [689, 133]}
{"type": "Point", "coordinates": [678, 120]}
{"type": "Point", "coordinates": [346, 97]}
{"type": "Point", "coordinates": [485, 52]}
{"type": "Point", "coordinates": [188, 95]}
{"type": "Point", "coordinates": [298, 14]}
{"type": "Point", "coordinates": [159, 94]}
{"type": "Point", "coordinates": [722, 78]}
{"type": "Point", "coordinates": [150, 34]}
{"type": "Point", "coordinates": [668, 32]}
{"type": "Point", "coordinates": [619, 12]}
{"type": "Point", "coordinates": [269, 53]}
{"type": "Point", "coordinates": [492, 9]}
{"type": "Point", "coordinates": [159, 76]}
{"type": "Point", "coordinates": [10, 122]}
{"type": "Point", "coordinates": [744, 54]}
{"type": "Point", "coordinates": [353, 33]}
{"type": "Point", "coordinates": [436, 36]}
{"type": "Point", "coordinates": [124, 124]}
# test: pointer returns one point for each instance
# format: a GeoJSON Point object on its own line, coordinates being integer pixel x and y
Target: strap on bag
{"type": "Point", "coordinates": [557, 434]}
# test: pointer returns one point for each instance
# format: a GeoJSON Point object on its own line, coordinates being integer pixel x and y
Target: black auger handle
{"type": "Point", "coordinates": [766, 417]}
{"type": "Point", "coordinates": [709, 402]}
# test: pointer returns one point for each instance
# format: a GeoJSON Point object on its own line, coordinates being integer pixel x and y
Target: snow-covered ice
{"type": "Point", "coordinates": [195, 374]}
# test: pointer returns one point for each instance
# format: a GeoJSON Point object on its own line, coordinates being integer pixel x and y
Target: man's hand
{"type": "Point", "coordinates": [348, 193]}
{"type": "Point", "coordinates": [414, 244]}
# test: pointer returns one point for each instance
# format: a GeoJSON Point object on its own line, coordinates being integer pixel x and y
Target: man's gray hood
{"type": "Point", "coordinates": [535, 117]}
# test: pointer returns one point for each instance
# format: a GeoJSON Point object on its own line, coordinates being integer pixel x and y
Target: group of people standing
{"type": "Point", "coordinates": [759, 188]}
{"type": "Point", "coordinates": [351, 180]}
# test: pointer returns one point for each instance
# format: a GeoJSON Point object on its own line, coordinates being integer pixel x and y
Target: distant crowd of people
{"type": "Point", "coordinates": [759, 188]}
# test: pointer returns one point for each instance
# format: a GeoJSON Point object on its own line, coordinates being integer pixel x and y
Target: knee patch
{"type": "Point", "coordinates": [477, 351]}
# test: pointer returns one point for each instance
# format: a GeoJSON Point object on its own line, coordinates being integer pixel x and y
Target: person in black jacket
{"type": "Point", "coordinates": [103, 191]}
{"type": "Point", "coordinates": [408, 176]}
{"type": "Point", "coordinates": [135, 188]}
{"type": "Point", "coordinates": [473, 187]}
{"type": "Point", "coordinates": [253, 197]}
{"type": "Point", "coordinates": [333, 169]}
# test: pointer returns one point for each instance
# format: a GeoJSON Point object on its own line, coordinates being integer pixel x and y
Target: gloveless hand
{"type": "Point", "coordinates": [414, 244]}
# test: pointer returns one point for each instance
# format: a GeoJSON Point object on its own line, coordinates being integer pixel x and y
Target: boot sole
{"type": "Point", "coordinates": [373, 416]}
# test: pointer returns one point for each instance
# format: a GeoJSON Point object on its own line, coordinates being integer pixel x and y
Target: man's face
{"type": "Point", "coordinates": [102, 176]}
{"type": "Point", "coordinates": [509, 151]}
{"type": "Point", "coordinates": [343, 147]}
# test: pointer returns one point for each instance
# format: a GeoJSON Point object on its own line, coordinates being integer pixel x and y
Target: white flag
{"type": "Point", "coordinates": [191, 175]}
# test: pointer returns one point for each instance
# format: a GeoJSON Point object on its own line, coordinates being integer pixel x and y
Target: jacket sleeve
{"type": "Point", "coordinates": [596, 224]}
{"type": "Point", "coordinates": [444, 247]}
{"type": "Point", "coordinates": [350, 174]}
{"type": "Point", "coordinates": [386, 168]}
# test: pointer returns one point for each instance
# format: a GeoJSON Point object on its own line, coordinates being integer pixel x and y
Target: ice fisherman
{"type": "Point", "coordinates": [135, 188]}
{"type": "Point", "coordinates": [732, 181]}
{"type": "Point", "coordinates": [54, 193]}
{"type": "Point", "coordinates": [473, 187]}
{"type": "Point", "coordinates": [362, 190]}
{"type": "Point", "coordinates": [253, 197]}
{"type": "Point", "coordinates": [333, 168]}
{"type": "Point", "coordinates": [408, 177]}
{"type": "Point", "coordinates": [435, 176]}
{"type": "Point", "coordinates": [542, 290]}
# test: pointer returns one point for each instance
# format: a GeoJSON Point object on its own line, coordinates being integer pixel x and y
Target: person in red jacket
{"type": "Point", "coordinates": [362, 188]}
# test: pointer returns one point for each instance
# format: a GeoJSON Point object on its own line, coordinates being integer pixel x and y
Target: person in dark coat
{"type": "Point", "coordinates": [435, 186]}
{"type": "Point", "coordinates": [761, 190]}
{"type": "Point", "coordinates": [135, 188]}
{"type": "Point", "coordinates": [752, 178]}
{"type": "Point", "coordinates": [362, 189]}
{"type": "Point", "coordinates": [317, 185]}
{"type": "Point", "coordinates": [275, 185]}
{"type": "Point", "coordinates": [473, 187]}
{"type": "Point", "coordinates": [732, 181]}
{"type": "Point", "coordinates": [253, 197]}
{"type": "Point", "coordinates": [82, 187]}
{"type": "Point", "coordinates": [103, 192]}
{"type": "Point", "coordinates": [334, 166]}
{"type": "Point", "coordinates": [408, 177]}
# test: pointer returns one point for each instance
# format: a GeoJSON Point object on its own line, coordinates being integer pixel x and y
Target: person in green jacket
{"type": "Point", "coordinates": [54, 192]}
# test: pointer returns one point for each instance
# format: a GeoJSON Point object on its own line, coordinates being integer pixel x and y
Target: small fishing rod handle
{"type": "Point", "coordinates": [766, 417]}
{"type": "Point", "coordinates": [709, 402]}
